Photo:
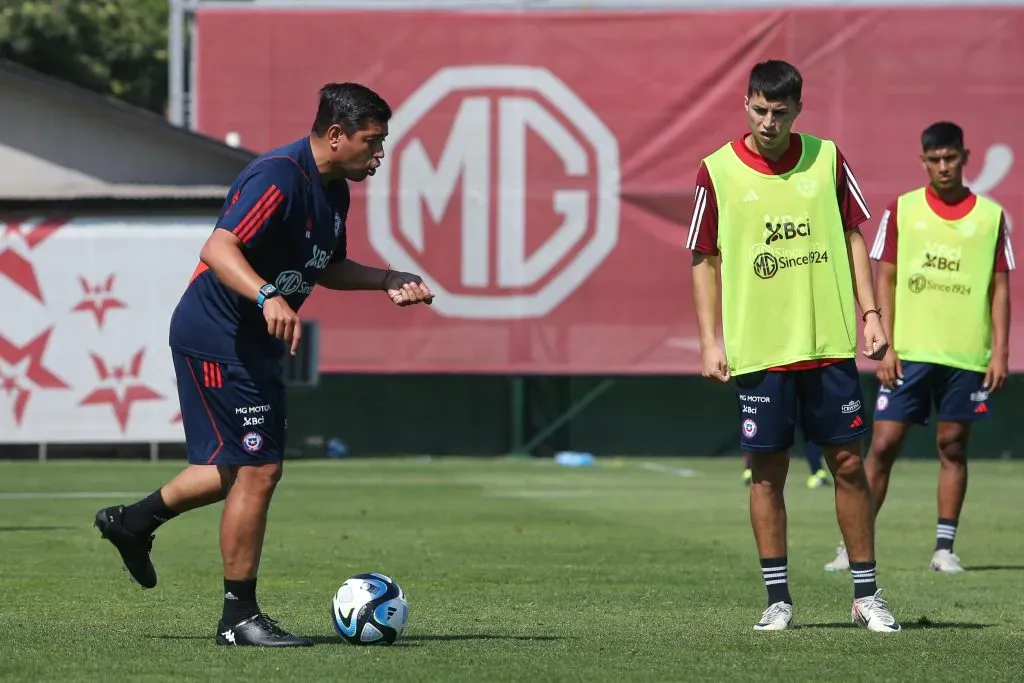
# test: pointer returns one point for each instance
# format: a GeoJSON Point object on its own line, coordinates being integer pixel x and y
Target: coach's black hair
{"type": "Point", "coordinates": [942, 134]}
{"type": "Point", "coordinates": [350, 105]}
{"type": "Point", "coordinates": [776, 80]}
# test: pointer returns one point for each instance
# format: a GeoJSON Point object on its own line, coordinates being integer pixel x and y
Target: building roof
{"type": "Point", "coordinates": [62, 142]}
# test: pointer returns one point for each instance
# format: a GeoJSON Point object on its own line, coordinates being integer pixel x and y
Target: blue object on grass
{"type": "Point", "coordinates": [336, 448]}
{"type": "Point", "coordinates": [574, 459]}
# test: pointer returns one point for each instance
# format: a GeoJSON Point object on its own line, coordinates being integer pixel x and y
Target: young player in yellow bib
{"type": "Point", "coordinates": [776, 216]}
{"type": "Point", "coordinates": [943, 255]}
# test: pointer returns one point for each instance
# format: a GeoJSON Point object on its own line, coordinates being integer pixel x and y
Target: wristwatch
{"type": "Point", "coordinates": [267, 291]}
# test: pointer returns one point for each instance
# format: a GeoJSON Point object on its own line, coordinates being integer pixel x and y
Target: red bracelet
{"type": "Point", "coordinates": [876, 311]}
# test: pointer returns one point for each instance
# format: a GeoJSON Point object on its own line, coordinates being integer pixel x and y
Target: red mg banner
{"type": "Point", "coordinates": [540, 166]}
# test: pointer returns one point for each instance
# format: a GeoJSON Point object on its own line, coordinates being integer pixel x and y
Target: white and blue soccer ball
{"type": "Point", "coordinates": [370, 609]}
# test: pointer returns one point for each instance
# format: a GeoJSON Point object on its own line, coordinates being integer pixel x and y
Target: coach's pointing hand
{"type": "Point", "coordinates": [406, 289]}
{"type": "Point", "coordinates": [282, 322]}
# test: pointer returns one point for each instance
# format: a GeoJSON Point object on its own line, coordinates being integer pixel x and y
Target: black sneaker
{"type": "Point", "coordinates": [134, 549]}
{"type": "Point", "coordinates": [259, 631]}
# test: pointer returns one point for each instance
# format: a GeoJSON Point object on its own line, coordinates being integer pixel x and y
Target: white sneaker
{"type": "Point", "coordinates": [778, 617]}
{"type": "Point", "coordinates": [946, 562]}
{"type": "Point", "coordinates": [873, 613]}
{"type": "Point", "coordinates": [842, 561]}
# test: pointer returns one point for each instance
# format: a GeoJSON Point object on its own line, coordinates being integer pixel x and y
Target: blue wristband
{"type": "Point", "coordinates": [267, 291]}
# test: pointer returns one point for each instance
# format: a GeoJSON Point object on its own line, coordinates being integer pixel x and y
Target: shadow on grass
{"type": "Point", "coordinates": [405, 641]}
{"type": "Point", "coordinates": [317, 640]}
{"type": "Point", "coordinates": [477, 636]}
{"type": "Point", "coordinates": [996, 568]}
{"type": "Point", "coordinates": [417, 639]}
{"type": "Point", "coordinates": [924, 623]}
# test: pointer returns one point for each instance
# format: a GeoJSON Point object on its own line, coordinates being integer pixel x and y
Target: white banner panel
{"type": "Point", "coordinates": [86, 305]}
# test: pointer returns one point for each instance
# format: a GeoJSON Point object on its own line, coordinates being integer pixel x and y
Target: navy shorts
{"type": "Point", "coordinates": [233, 414]}
{"type": "Point", "coordinates": [957, 395]}
{"type": "Point", "coordinates": [825, 402]}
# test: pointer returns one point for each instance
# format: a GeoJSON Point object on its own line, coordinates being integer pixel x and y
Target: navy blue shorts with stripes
{"type": "Point", "coordinates": [957, 395]}
{"type": "Point", "coordinates": [825, 402]}
{"type": "Point", "coordinates": [233, 414]}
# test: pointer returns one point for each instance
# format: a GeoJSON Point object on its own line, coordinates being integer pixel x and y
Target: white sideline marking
{"type": "Point", "coordinates": [678, 471]}
{"type": "Point", "coordinates": [54, 495]}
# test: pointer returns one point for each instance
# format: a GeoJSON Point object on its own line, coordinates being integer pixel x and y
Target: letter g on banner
{"type": "Point", "coordinates": [459, 150]}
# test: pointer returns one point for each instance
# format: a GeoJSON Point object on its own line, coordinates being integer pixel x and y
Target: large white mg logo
{"type": "Point", "coordinates": [502, 190]}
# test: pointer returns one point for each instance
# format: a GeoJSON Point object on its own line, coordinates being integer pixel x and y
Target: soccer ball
{"type": "Point", "coordinates": [369, 609]}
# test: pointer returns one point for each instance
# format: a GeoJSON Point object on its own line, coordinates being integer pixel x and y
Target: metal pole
{"type": "Point", "coordinates": [572, 412]}
{"type": "Point", "coordinates": [190, 54]}
{"type": "Point", "coordinates": [176, 63]}
{"type": "Point", "coordinates": [517, 415]}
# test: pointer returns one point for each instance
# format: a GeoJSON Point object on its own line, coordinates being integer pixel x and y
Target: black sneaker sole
{"type": "Point", "coordinates": [298, 642]}
{"type": "Point", "coordinates": [244, 635]}
{"type": "Point", "coordinates": [221, 641]}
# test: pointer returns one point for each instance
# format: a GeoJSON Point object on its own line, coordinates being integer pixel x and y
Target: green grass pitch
{"type": "Point", "coordinates": [515, 571]}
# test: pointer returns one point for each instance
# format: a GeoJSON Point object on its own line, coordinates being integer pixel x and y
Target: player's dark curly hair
{"type": "Point", "coordinates": [351, 106]}
{"type": "Point", "coordinates": [942, 134]}
{"type": "Point", "coordinates": [776, 80]}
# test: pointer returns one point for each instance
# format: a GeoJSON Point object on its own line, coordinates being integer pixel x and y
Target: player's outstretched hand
{"type": "Point", "coordinates": [890, 369]}
{"type": "Point", "coordinates": [406, 289]}
{"type": "Point", "coordinates": [282, 322]}
{"type": "Point", "coordinates": [714, 364]}
{"type": "Point", "coordinates": [875, 341]}
{"type": "Point", "coordinates": [995, 376]}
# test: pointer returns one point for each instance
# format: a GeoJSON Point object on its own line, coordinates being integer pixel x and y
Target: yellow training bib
{"type": "Point", "coordinates": [787, 288]}
{"type": "Point", "coordinates": [943, 271]}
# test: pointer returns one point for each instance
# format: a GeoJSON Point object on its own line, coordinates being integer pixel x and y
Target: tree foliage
{"type": "Point", "coordinates": [114, 47]}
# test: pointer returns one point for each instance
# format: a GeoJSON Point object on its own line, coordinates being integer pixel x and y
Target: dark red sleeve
{"type": "Point", "coordinates": [851, 200]}
{"type": "Point", "coordinates": [703, 235]}
{"type": "Point", "coordinates": [1004, 249]}
{"type": "Point", "coordinates": [884, 247]}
